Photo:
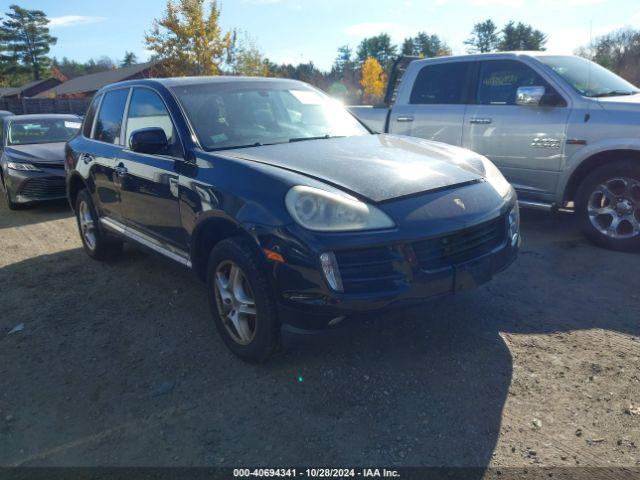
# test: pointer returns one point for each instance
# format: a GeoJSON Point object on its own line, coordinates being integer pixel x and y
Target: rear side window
{"type": "Point", "coordinates": [500, 79]}
{"type": "Point", "coordinates": [109, 121]}
{"type": "Point", "coordinates": [146, 109]}
{"type": "Point", "coordinates": [89, 117]}
{"type": "Point", "coordinates": [441, 84]}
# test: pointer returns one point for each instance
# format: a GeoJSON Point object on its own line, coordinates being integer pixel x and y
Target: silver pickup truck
{"type": "Point", "coordinates": [563, 130]}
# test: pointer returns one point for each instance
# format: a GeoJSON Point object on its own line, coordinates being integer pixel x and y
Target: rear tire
{"type": "Point", "coordinates": [241, 300]}
{"type": "Point", "coordinates": [608, 205]}
{"type": "Point", "coordinates": [94, 240]}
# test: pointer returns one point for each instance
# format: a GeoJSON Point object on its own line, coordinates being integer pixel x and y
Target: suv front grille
{"type": "Point", "coordinates": [370, 269]}
{"type": "Point", "coordinates": [43, 187]}
{"type": "Point", "coordinates": [462, 246]}
{"type": "Point", "coordinates": [381, 269]}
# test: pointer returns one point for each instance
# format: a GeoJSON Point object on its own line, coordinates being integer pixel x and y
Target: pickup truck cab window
{"type": "Point", "coordinates": [500, 79]}
{"type": "Point", "coordinates": [146, 109]}
{"type": "Point", "coordinates": [441, 84]}
{"type": "Point", "coordinates": [109, 121]}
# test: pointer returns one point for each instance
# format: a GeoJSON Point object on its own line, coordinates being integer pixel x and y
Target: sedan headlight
{"type": "Point", "coordinates": [22, 166]}
{"type": "Point", "coordinates": [324, 211]}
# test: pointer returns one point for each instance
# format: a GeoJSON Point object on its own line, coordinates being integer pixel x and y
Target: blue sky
{"type": "Point", "coordinates": [302, 30]}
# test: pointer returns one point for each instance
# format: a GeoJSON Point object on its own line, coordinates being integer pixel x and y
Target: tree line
{"type": "Point", "coordinates": [188, 40]}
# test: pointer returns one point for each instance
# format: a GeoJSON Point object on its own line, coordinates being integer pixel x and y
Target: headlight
{"type": "Point", "coordinates": [323, 211]}
{"type": "Point", "coordinates": [22, 166]}
{"type": "Point", "coordinates": [492, 174]}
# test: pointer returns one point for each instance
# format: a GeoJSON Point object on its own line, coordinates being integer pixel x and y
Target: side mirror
{"type": "Point", "coordinates": [149, 140]}
{"type": "Point", "coordinates": [529, 96]}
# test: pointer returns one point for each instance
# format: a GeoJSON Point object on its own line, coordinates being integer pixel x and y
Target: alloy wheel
{"type": "Point", "coordinates": [87, 225]}
{"type": "Point", "coordinates": [235, 302]}
{"type": "Point", "coordinates": [614, 208]}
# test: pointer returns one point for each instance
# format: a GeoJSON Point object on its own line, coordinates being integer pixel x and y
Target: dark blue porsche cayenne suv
{"type": "Point", "coordinates": [290, 209]}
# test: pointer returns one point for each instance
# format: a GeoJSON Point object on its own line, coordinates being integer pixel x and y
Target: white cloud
{"type": "Point", "coordinates": [572, 3]}
{"type": "Point", "coordinates": [500, 3]}
{"type": "Point", "coordinates": [72, 20]}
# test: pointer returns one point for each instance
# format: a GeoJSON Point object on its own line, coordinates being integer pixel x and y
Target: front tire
{"type": "Point", "coordinates": [95, 242]}
{"type": "Point", "coordinates": [241, 300]}
{"type": "Point", "coordinates": [608, 205]}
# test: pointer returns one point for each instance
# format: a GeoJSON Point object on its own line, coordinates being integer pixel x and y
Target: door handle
{"type": "Point", "coordinates": [87, 159]}
{"type": "Point", "coordinates": [121, 170]}
{"type": "Point", "coordinates": [404, 119]}
{"type": "Point", "coordinates": [481, 121]}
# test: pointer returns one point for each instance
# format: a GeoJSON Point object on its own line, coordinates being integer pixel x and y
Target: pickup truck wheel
{"type": "Point", "coordinates": [95, 242]}
{"type": "Point", "coordinates": [241, 300]}
{"type": "Point", "coordinates": [608, 205]}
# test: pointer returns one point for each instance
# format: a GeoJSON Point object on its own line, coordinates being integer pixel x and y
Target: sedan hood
{"type": "Point", "coordinates": [38, 153]}
{"type": "Point", "coordinates": [378, 167]}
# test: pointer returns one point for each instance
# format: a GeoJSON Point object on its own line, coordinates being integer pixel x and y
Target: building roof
{"type": "Point", "coordinates": [95, 81]}
{"type": "Point", "coordinates": [41, 116]}
{"type": "Point", "coordinates": [8, 92]}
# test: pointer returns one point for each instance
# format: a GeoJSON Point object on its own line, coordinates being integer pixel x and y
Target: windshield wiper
{"type": "Point", "coordinates": [321, 137]}
{"type": "Point", "coordinates": [614, 93]}
{"type": "Point", "coordinates": [248, 145]}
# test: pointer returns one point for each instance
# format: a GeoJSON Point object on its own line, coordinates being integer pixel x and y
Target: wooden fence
{"type": "Point", "coordinates": [21, 106]}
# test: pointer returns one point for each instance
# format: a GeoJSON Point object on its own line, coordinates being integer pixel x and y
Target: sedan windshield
{"type": "Point", "coordinates": [49, 130]}
{"type": "Point", "coordinates": [587, 77]}
{"type": "Point", "coordinates": [245, 114]}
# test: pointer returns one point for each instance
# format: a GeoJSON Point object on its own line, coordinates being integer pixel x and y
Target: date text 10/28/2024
{"type": "Point", "coordinates": [316, 473]}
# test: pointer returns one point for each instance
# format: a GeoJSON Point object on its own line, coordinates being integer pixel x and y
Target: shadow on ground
{"type": "Point", "coordinates": [36, 213]}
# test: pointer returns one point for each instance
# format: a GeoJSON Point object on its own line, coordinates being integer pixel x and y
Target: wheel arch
{"type": "Point", "coordinates": [587, 165]}
{"type": "Point", "coordinates": [207, 234]}
{"type": "Point", "coordinates": [74, 185]}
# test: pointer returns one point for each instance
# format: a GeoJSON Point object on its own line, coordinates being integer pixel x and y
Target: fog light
{"type": "Point", "coordinates": [514, 225]}
{"type": "Point", "coordinates": [330, 270]}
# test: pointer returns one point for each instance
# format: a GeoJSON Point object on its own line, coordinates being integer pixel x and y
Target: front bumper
{"type": "Point", "coordinates": [306, 310]}
{"type": "Point", "coordinates": [381, 271]}
{"type": "Point", "coordinates": [30, 186]}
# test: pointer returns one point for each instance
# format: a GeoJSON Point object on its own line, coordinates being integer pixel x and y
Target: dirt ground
{"type": "Point", "coordinates": [119, 364]}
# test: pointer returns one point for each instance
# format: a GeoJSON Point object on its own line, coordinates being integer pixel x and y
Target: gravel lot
{"type": "Point", "coordinates": [119, 364]}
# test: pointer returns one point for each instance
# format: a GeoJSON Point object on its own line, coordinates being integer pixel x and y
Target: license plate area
{"type": "Point", "coordinates": [472, 274]}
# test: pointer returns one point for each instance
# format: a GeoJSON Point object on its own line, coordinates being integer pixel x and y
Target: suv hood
{"type": "Point", "coordinates": [378, 167]}
{"type": "Point", "coordinates": [37, 152]}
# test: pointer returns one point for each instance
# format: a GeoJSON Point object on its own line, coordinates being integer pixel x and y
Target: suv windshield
{"type": "Point", "coordinates": [49, 130]}
{"type": "Point", "coordinates": [243, 114]}
{"type": "Point", "coordinates": [587, 77]}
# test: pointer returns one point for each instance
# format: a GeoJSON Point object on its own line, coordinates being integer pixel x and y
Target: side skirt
{"type": "Point", "coordinates": [146, 241]}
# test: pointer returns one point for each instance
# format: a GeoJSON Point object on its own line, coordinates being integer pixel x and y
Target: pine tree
{"type": "Point", "coordinates": [25, 42]}
{"type": "Point", "coordinates": [484, 37]}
